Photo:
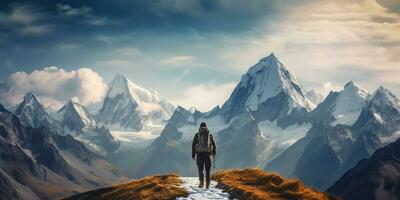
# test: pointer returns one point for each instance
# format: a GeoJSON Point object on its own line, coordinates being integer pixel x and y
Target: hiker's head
{"type": "Point", "coordinates": [203, 125]}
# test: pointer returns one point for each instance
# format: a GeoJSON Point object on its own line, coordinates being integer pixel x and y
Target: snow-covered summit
{"type": "Point", "coordinates": [383, 96]}
{"type": "Point", "coordinates": [265, 80]}
{"type": "Point", "coordinates": [31, 111]}
{"type": "Point", "coordinates": [349, 104]}
{"type": "Point", "coordinates": [270, 77]}
{"type": "Point", "coordinates": [130, 106]}
{"type": "Point", "coordinates": [29, 101]}
{"type": "Point", "coordinates": [75, 116]}
{"type": "Point", "coordinates": [122, 85]}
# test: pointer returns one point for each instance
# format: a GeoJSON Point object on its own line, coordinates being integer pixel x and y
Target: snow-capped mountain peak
{"type": "Point", "coordinates": [130, 106]}
{"type": "Point", "coordinates": [383, 96]}
{"type": "Point", "coordinates": [349, 103]}
{"type": "Point", "coordinates": [351, 98]}
{"type": "Point", "coordinates": [32, 112]}
{"type": "Point", "coordinates": [270, 77]}
{"type": "Point", "coordinates": [122, 85]}
{"type": "Point", "coordinates": [263, 81]}
{"type": "Point", "coordinates": [75, 116]}
{"type": "Point", "coordinates": [30, 101]}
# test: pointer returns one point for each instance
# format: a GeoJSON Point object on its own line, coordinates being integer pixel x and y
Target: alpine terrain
{"type": "Point", "coordinates": [129, 106]}
{"type": "Point", "coordinates": [264, 115]}
{"type": "Point", "coordinates": [37, 163]}
{"type": "Point", "coordinates": [269, 121]}
{"type": "Point", "coordinates": [374, 178]}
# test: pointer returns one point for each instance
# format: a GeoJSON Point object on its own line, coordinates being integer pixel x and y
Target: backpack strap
{"type": "Point", "coordinates": [209, 142]}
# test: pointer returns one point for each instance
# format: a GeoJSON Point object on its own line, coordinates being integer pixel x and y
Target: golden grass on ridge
{"type": "Point", "coordinates": [150, 188]}
{"type": "Point", "coordinates": [256, 184]}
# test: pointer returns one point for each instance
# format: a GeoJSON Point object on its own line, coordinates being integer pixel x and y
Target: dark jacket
{"type": "Point", "coordinates": [195, 140]}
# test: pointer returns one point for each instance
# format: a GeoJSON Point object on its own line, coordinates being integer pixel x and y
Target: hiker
{"type": "Point", "coordinates": [203, 147]}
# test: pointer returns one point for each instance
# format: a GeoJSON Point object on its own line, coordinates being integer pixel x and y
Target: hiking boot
{"type": "Point", "coordinates": [201, 185]}
{"type": "Point", "coordinates": [207, 185]}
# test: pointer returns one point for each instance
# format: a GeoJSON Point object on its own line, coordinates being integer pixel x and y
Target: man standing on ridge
{"type": "Point", "coordinates": [203, 147]}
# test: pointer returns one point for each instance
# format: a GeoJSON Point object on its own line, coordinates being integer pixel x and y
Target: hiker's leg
{"type": "Point", "coordinates": [200, 166]}
{"type": "Point", "coordinates": [207, 162]}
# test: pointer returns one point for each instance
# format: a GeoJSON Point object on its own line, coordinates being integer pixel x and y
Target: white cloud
{"type": "Point", "coordinates": [327, 87]}
{"type": "Point", "coordinates": [326, 41]}
{"type": "Point", "coordinates": [26, 20]}
{"type": "Point", "coordinates": [129, 51]}
{"type": "Point", "coordinates": [84, 11]}
{"type": "Point", "coordinates": [113, 63]}
{"type": "Point", "coordinates": [205, 96]}
{"type": "Point", "coordinates": [54, 86]}
{"type": "Point", "coordinates": [181, 61]}
{"type": "Point", "coordinates": [68, 46]}
{"type": "Point", "coordinates": [70, 11]}
{"type": "Point", "coordinates": [25, 14]}
{"type": "Point", "coordinates": [106, 39]}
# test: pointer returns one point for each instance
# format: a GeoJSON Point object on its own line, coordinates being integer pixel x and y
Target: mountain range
{"type": "Point", "coordinates": [38, 163]}
{"type": "Point", "coordinates": [269, 121]}
{"type": "Point", "coordinates": [333, 148]}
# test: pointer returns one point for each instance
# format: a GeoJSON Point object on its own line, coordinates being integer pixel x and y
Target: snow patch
{"type": "Point", "coordinates": [139, 139]}
{"type": "Point", "coordinates": [389, 139]}
{"type": "Point", "coordinates": [190, 184]}
{"type": "Point", "coordinates": [279, 139]}
{"type": "Point", "coordinates": [214, 124]}
{"type": "Point", "coordinates": [349, 104]}
{"type": "Point", "coordinates": [378, 118]}
{"type": "Point", "coordinates": [272, 131]}
{"type": "Point", "coordinates": [347, 119]}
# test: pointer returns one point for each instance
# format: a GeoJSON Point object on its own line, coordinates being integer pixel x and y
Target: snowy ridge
{"type": "Point", "coordinates": [270, 77]}
{"type": "Point", "coordinates": [132, 107]}
{"type": "Point", "coordinates": [191, 185]}
{"type": "Point", "coordinates": [87, 119]}
{"type": "Point", "coordinates": [148, 100]}
{"type": "Point", "coordinates": [267, 85]}
{"type": "Point", "coordinates": [279, 139]}
{"type": "Point", "coordinates": [75, 112]}
{"type": "Point", "coordinates": [349, 104]}
{"type": "Point", "coordinates": [31, 112]}
{"type": "Point", "coordinates": [383, 96]}
{"type": "Point", "coordinates": [384, 107]}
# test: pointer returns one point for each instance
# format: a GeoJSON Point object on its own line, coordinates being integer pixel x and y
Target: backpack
{"type": "Point", "coordinates": [203, 142]}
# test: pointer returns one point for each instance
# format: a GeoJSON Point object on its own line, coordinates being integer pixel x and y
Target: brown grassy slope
{"type": "Point", "coordinates": [257, 184]}
{"type": "Point", "coordinates": [149, 188]}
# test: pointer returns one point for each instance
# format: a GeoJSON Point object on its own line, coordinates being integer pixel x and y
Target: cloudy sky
{"type": "Point", "coordinates": [192, 52]}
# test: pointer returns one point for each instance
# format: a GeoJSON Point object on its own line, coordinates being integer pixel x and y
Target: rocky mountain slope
{"type": "Point", "coordinates": [331, 150]}
{"type": "Point", "coordinates": [37, 163]}
{"type": "Point", "coordinates": [374, 178]}
{"type": "Point", "coordinates": [78, 122]}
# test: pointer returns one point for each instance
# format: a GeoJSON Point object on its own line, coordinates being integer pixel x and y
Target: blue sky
{"type": "Point", "coordinates": [189, 48]}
